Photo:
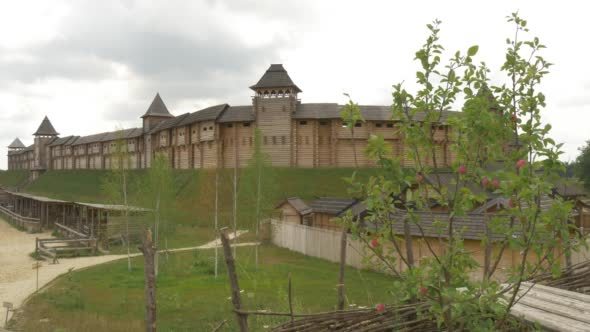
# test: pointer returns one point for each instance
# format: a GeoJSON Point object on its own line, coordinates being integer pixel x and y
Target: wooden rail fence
{"type": "Point", "coordinates": [31, 224]}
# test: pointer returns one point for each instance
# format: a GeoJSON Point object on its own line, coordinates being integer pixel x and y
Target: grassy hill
{"type": "Point", "coordinates": [195, 193]}
{"type": "Point", "coordinates": [12, 179]}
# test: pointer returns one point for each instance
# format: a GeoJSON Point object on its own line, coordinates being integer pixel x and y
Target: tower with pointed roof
{"type": "Point", "coordinates": [156, 113]}
{"type": "Point", "coordinates": [274, 103]}
{"type": "Point", "coordinates": [44, 135]}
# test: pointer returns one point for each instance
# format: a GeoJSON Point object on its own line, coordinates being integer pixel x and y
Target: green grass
{"type": "Point", "coordinates": [12, 179]}
{"type": "Point", "coordinates": [190, 298]}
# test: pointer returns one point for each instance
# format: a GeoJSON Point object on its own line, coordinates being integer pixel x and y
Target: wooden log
{"type": "Point", "coordinates": [149, 251]}
{"type": "Point", "coordinates": [233, 280]}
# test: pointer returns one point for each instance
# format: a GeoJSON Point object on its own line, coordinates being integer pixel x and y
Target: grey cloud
{"type": "Point", "coordinates": [96, 36]}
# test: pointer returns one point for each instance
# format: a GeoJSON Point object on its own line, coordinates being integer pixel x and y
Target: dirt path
{"type": "Point", "coordinates": [18, 278]}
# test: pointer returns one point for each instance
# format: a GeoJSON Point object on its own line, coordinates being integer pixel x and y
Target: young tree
{"type": "Point", "coordinates": [159, 196]}
{"type": "Point", "coordinates": [115, 185]}
{"type": "Point", "coordinates": [499, 126]}
{"type": "Point", "coordinates": [257, 187]}
{"type": "Point", "coordinates": [351, 116]}
{"type": "Point", "coordinates": [582, 165]}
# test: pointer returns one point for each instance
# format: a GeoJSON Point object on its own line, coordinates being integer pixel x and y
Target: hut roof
{"type": "Point", "coordinates": [157, 108]}
{"type": "Point", "coordinates": [298, 204]}
{"type": "Point", "coordinates": [206, 114]}
{"type": "Point", "coordinates": [275, 77]}
{"type": "Point", "coordinates": [46, 129]}
{"type": "Point", "coordinates": [331, 205]}
{"type": "Point", "coordinates": [16, 144]}
{"type": "Point", "coordinates": [472, 226]}
{"type": "Point", "coordinates": [113, 207]}
{"type": "Point", "coordinates": [237, 114]}
{"type": "Point", "coordinates": [570, 188]}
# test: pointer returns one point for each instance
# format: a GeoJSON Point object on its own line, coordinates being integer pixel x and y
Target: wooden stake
{"type": "Point", "coordinates": [341, 273]}
{"type": "Point", "coordinates": [409, 246]}
{"type": "Point", "coordinates": [233, 281]}
{"type": "Point", "coordinates": [290, 299]}
{"type": "Point", "coordinates": [148, 251]}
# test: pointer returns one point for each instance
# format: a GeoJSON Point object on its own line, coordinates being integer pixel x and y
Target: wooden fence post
{"type": "Point", "coordinates": [148, 251]}
{"type": "Point", "coordinates": [233, 281]}
{"type": "Point", "coordinates": [341, 272]}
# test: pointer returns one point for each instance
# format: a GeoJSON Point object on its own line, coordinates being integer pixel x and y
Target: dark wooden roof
{"type": "Point", "coordinates": [275, 77]}
{"type": "Point", "coordinates": [16, 144]}
{"type": "Point", "coordinates": [369, 112]}
{"type": "Point", "coordinates": [331, 205]}
{"type": "Point", "coordinates": [61, 141]}
{"type": "Point", "coordinates": [169, 123]}
{"type": "Point", "coordinates": [157, 108]}
{"type": "Point", "coordinates": [89, 139]}
{"type": "Point", "coordinates": [471, 226]}
{"type": "Point", "coordinates": [46, 129]}
{"type": "Point", "coordinates": [206, 114]}
{"type": "Point", "coordinates": [237, 114]}
{"type": "Point", "coordinates": [570, 188]}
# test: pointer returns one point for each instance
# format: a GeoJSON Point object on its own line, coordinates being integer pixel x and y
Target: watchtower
{"type": "Point", "coordinates": [274, 103]}
{"type": "Point", "coordinates": [43, 136]}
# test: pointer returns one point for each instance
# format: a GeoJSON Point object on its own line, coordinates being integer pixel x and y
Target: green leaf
{"type": "Point", "coordinates": [472, 50]}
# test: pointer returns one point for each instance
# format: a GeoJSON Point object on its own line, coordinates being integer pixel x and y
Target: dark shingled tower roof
{"type": "Point", "coordinates": [275, 77]}
{"type": "Point", "coordinates": [46, 129]}
{"type": "Point", "coordinates": [158, 108]}
{"type": "Point", "coordinates": [16, 144]}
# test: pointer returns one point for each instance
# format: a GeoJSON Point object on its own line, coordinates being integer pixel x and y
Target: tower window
{"type": "Point", "coordinates": [303, 123]}
{"type": "Point", "coordinates": [210, 127]}
{"type": "Point", "coordinates": [323, 123]}
{"type": "Point", "coordinates": [378, 125]}
{"type": "Point", "coordinates": [390, 125]}
{"type": "Point", "coordinates": [274, 140]}
{"type": "Point", "coordinates": [358, 125]}
{"type": "Point", "coordinates": [246, 124]}
{"type": "Point", "coordinates": [229, 125]}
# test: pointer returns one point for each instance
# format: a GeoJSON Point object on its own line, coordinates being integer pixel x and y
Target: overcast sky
{"type": "Point", "coordinates": [93, 66]}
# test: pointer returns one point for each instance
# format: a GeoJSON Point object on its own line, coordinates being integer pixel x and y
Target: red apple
{"type": "Point", "coordinates": [511, 203]}
{"type": "Point", "coordinates": [462, 169]}
{"type": "Point", "coordinates": [374, 243]}
{"type": "Point", "coordinates": [520, 163]}
{"type": "Point", "coordinates": [423, 291]}
{"type": "Point", "coordinates": [496, 183]}
{"type": "Point", "coordinates": [380, 307]}
{"type": "Point", "coordinates": [485, 181]}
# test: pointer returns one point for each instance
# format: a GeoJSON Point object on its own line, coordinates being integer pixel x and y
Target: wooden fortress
{"type": "Point", "coordinates": [294, 134]}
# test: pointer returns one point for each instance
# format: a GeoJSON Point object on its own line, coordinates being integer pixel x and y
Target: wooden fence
{"type": "Point", "coordinates": [317, 242]}
{"type": "Point", "coordinates": [324, 243]}
{"type": "Point", "coordinates": [30, 224]}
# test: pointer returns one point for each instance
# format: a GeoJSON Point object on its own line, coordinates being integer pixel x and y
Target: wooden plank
{"type": "Point", "coordinates": [548, 319]}
{"type": "Point", "coordinates": [560, 292]}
